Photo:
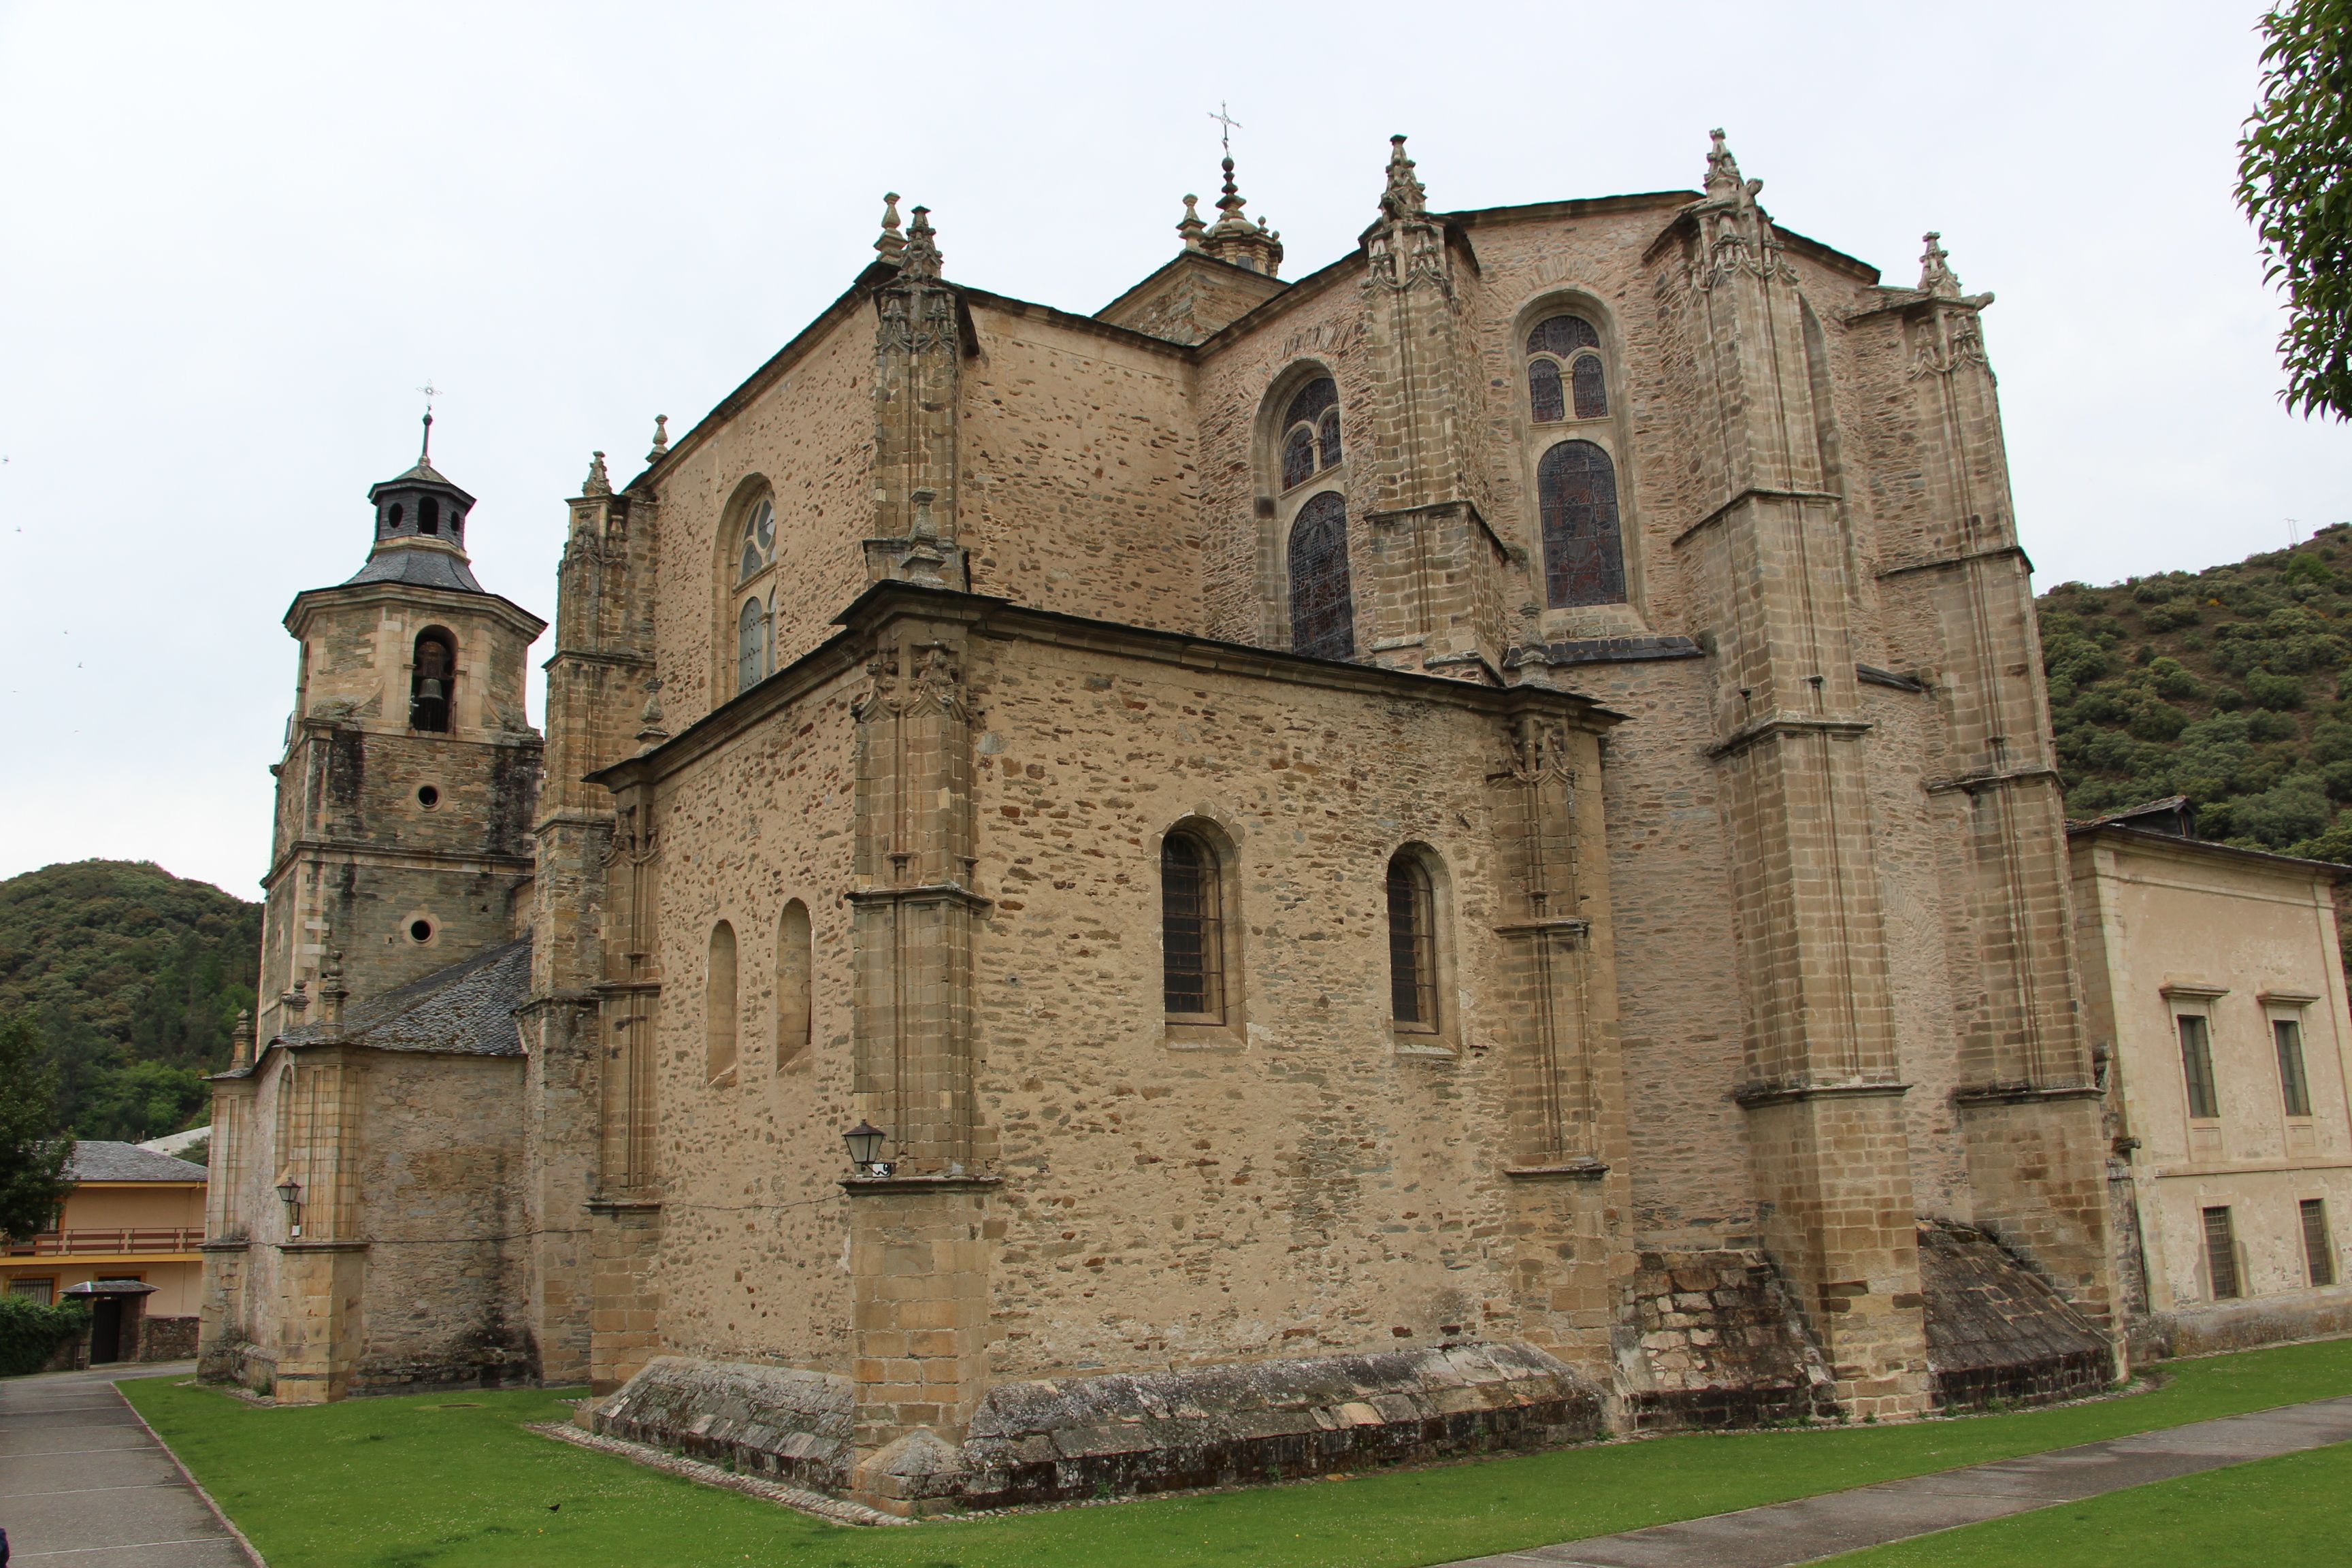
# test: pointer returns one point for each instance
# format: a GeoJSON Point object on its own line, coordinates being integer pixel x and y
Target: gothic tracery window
{"type": "Point", "coordinates": [1567, 344]}
{"type": "Point", "coordinates": [1192, 929]}
{"type": "Point", "coordinates": [1584, 557]}
{"type": "Point", "coordinates": [1310, 426]}
{"type": "Point", "coordinates": [1322, 608]}
{"type": "Point", "coordinates": [755, 556]}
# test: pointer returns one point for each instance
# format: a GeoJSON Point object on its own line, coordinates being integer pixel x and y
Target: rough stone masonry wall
{"type": "Point", "coordinates": [1076, 452]}
{"type": "Point", "coordinates": [1711, 1339]}
{"type": "Point", "coordinates": [809, 436]}
{"type": "Point", "coordinates": [752, 1262]}
{"type": "Point", "coordinates": [1299, 1183]}
{"type": "Point", "coordinates": [441, 1209]}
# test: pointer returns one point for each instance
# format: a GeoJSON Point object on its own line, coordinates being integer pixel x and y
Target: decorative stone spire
{"type": "Point", "coordinates": [1936, 275]}
{"type": "Point", "coordinates": [661, 439]}
{"type": "Point", "coordinates": [1234, 239]}
{"type": "Point", "coordinates": [650, 731]}
{"type": "Point", "coordinates": [598, 482]}
{"type": "Point", "coordinates": [1723, 181]}
{"type": "Point", "coordinates": [892, 246]}
{"type": "Point", "coordinates": [921, 256]}
{"type": "Point", "coordinates": [1406, 197]}
{"type": "Point", "coordinates": [1189, 226]}
{"type": "Point", "coordinates": [331, 981]}
{"type": "Point", "coordinates": [240, 1045]}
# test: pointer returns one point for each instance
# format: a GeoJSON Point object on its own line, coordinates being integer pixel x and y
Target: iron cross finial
{"type": "Point", "coordinates": [1230, 125]}
{"type": "Point", "coordinates": [430, 392]}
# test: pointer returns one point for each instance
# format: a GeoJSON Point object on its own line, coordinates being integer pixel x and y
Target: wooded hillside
{"type": "Point", "coordinates": [134, 978]}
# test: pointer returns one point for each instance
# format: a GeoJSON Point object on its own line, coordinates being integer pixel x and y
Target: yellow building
{"type": "Point", "coordinates": [135, 1218]}
{"type": "Point", "coordinates": [2213, 981]}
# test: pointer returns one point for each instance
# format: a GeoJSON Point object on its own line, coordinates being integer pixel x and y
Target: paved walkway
{"type": "Point", "coordinates": [1813, 1528]}
{"type": "Point", "coordinates": [83, 1483]}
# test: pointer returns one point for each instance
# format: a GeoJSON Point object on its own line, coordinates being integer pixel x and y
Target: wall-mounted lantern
{"type": "Point", "coordinates": [864, 1145]}
{"type": "Point", "coordinates": [289, 1192]}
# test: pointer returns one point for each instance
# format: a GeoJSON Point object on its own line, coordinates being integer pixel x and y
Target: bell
{"type": "Point", "coordinates": [428, 691]}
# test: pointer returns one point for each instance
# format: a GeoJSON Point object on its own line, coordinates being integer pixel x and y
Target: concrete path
{"type": "Point", "coordinates": [84, 1485]}
{"type": "Point", "coordinates": [1813, 1528]}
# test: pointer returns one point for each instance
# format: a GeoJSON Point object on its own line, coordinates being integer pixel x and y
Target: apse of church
{"type": "Point", "coordinates": [1470, 834]}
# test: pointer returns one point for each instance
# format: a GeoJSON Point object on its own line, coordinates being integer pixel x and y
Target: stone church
{"type": "Point", "coordinates": [1442, 854]}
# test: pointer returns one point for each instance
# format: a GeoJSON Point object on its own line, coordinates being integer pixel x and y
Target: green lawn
{"type": "Point", "coordinates": [454, 1479]}
{"type": "Point", "coordinates": [2282, 1513]}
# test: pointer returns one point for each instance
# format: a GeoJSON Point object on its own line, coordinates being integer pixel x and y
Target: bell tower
{"type": "Point", "coordinates": [410, 777]}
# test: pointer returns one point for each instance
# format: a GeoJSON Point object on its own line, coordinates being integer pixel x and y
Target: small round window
{"type": "Point", "coordinates": [428, 797]}
{"type": "Point", "coordinates": [420, 932]}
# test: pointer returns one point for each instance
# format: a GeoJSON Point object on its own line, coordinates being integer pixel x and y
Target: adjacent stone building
{"type": "Point", "coordinates": [1414, 860]}
{"type": "Point", "coordinates": [2214, 994]}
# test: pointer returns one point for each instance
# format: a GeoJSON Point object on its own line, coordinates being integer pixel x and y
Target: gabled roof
{"type": "Point", "coordinates": [95, 1160]}
{"type": "Point", "coordinates": [466, 1009]}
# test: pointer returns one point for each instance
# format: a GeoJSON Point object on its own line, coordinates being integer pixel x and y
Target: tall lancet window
{"type": "Point", "coordinates": [755, 561]}
{"type": "Point", "coordinates": [1322, 610]}
{"type": "Point", "coordinates": [432, 681]}
{"type": "Point", "coordinates": [1310, 432]}
{"type": "Point", "coordinates": [1412, 944]}
{"type": "Point", "coordinates": [1192, 931]}
{"type": "Point", "coordinates": [1584, 556]}
{"type": "Point", "coordinates": [1565, 371]}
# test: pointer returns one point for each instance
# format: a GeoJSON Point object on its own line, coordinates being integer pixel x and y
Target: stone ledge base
{"type": "Point", "coordinates": [2209, 1327]}
{"type": "Point", "coordinates": [1996, 1331]}
{"type": "Point", "coordinates": [826, 1508]}
{"type": "Point", "coordinates": [1119, 1433]}
{"type": "Point", "coordinates": [756, 1420]}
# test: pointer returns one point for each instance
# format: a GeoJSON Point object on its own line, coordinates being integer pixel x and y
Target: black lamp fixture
{"type": "Point", "coordinates": [289, 1192]}
{"type": "Point", "coordinates": [864, 1145]}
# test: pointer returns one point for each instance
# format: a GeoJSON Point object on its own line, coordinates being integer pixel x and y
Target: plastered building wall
{"type": "Point", "coordinates": [2239, 940]}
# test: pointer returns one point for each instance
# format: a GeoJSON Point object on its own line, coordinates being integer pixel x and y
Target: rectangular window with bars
{"type": "Point", "coordinates": [2294, 1087]}
{"type": "Point", "coordinates": [2196, 1065]}
{"type": "Point", "coordinates": [2221, 1255]}
{"type": "Point", "coordinates": [2318, 1247]}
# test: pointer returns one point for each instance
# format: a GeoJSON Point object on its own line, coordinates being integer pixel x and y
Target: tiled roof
{"type": "Point", "coordinates": [418, 568]}
{"type": "Point", "coordinates": [94, 1159]}
{"type": "Point", "coordinates": [466, 1009]}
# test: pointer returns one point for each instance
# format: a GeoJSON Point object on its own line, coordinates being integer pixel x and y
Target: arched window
{"type": "Point", "coordinates": [1192, 929]}
{"type": "Point", "coordinates": [1584, 560]}
{"type": "Point", "coordinates": [758, 542]}
{"type": "Point", "coordinates": [750, 558]}
{"type": "Point", "coordinates": [1413, 943]}
{"type": "Point", "coordinates": [428, 516]}
{"type": "Point", "coordinates": [718, 1003]}
{"type": "Point", "coordinates": [751, 643]}
{"type": "Point", "coordinates": [795, 961]}
{"type": "Point", "coordinates": [432, 681]}
{"type": "Point", "coordinates": [1322, 611]}
{"type": "Point", "coordinates": [1569, 343]}
{"type": "Point", "coordinates": [1310, 432]}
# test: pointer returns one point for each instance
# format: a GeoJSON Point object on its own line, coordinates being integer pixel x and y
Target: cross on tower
{"type": "Point", "coordinates": [430, 392]}
{"type": "Point", "coordinates": [1230, 125]}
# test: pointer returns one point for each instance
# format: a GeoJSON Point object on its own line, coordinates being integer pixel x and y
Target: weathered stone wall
{"type": "Point", "coordinates": [1997, 1333]}
{"type": "Point", "coordinates": [1077, 446]}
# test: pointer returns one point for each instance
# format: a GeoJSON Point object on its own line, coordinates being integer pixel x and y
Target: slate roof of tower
{"type": "Point", "coordinates": [418, 568]}
{"type": "Point", "coordinates": [466, 1009]}
{"type": "Point", "coordinates": [94, 1159]}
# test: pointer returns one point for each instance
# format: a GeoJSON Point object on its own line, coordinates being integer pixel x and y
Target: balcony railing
{"type": "Point", "coordinates": [81, 1243]}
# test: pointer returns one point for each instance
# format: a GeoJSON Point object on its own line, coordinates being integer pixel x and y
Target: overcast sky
{"type": "Point", "coordinates": [236, 239]}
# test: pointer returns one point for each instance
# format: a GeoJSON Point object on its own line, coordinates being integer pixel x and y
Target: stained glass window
{"type": "Point", "coordinates": [1545, 403]}
{"type": "Point", "coordinates": [1298, 457]}
{"type": "Point", "coordinates": [1192, 931]}
{"type": "Point", "coordinates": [1562, 336]}
{"type": "Point", "coordinates": [1591, 391]}
{"type": "Point", "coordinates": [1312, 419]}
{"type": "Point", "coordinates": [1322, 611]}
{"type": "Point", "coordinates": [1412, 944]}
{"type": "Point", "coordinates": [758, 540]}
{"type": "Point", "coordinates": [1584, 558]}
{"type": "Point", "coordinates": [751, 643]}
